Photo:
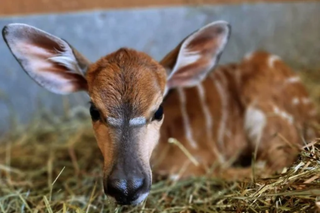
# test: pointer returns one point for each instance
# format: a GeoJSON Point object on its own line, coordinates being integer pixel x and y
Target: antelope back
{"type": "Point", "coordinates": [279, 113]}
{"type": "Point", "coordinates": [258, 104]}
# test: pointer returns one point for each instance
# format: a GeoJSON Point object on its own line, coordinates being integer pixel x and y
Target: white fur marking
{"type": "Point", "coordinates": [205, 110]}
{"type": "Point", "coordinates": [224, 108]}
{"type": "Point", "coordinates": [185, 117]}
{"type": "Point", "coordinates": [283, 114]}
{"type": "Point", "coordinates": [137, 121]}
{"type": "Point", "coordinates": [295, 101]}
{"type": "Point", "coordinates": [254, 123]}
{"type": "Point", "coordinates": [114, 121]}
{"type": "Point", "coordinates": [272, 59]}
{"type": "Point", "coordinates": [293, 79]}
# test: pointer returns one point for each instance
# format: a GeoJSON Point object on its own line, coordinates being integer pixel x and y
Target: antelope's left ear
{"type": "Point", "coordinates": [190, 62]}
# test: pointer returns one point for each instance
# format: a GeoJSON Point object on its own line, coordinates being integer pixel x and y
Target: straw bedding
{"type": "Point", "coordinates": [55, 166]}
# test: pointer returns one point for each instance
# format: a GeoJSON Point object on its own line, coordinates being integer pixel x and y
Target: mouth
{"type": "Point", "coordinates": [140, 199]}
{"type": "Point", "coordinates": [132, 203]}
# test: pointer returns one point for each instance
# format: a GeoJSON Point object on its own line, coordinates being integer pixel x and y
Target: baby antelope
{"type": "Point", "coordinates": [216, 114]}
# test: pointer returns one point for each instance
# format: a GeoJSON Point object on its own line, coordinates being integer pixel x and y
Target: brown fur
{"type": "Point", "coordinates": [121, 80]}
{"type": "Point", "coordinates": [251, 82]}
{"type": "Point", "coordinates": [112, 78]}
{"type": "Point", "coordinates": [219, 117]}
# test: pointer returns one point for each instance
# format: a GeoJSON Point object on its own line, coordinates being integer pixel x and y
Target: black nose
{"type": "Point", "coordinates": [126, 191]}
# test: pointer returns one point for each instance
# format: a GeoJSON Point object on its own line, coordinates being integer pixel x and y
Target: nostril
{"type": "Point", "coordinates": [137, 184]}
{"type": "Point", "coordinates": [126, 191]}
{"type": "Point", "coordinates": [117, 188]}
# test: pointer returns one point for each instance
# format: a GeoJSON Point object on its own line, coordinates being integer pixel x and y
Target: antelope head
{"type": "Point", "coordinates": [126, 89]}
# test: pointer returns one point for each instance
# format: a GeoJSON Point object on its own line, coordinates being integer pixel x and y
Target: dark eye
{"type": "Point", "coordinates": [95, 114]}
{"type": "Point", "coordinates": [158, 114]}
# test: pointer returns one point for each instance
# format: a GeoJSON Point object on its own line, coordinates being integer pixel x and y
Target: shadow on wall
{"type": "Point", "coordinates": [283, 29]}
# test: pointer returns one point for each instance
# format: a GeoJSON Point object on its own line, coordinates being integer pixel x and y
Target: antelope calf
{"type": "Point", "coordinates": [215, 114]}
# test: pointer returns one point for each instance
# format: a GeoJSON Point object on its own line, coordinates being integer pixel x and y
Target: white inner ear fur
{"type": "Point", "coordinates": [22, 49]}
{"type": "Point", "coordinates": [36, 63]}
{"type": "Point", "coordinates": [186, 57]}
{"type": "Point", "coordinates": [66, 58]}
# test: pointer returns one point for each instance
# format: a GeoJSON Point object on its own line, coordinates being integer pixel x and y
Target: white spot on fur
{"type": "Point", "coordinates": [114, 121]}
{"type": "Point", "coordinates": [276, 110]}
{"type": "Point", "coordinates": [295, 101]}
{"type": "Point", "coordinates": [137, 121]}
{"type": "Point", "coordinates": [293, 79]}
{"type": "Point", "coordinates": [185, 117]}
{"type": "Point", "coordinates": [283, 114]}
{"type": "Point", "coordinates": [206, 111]}
{"type": "Point", "coordinates": [254, 123]}
{"type": "Point", "coordinates": [260, 164]}
{"type": "Point", "coordinates": [272, 59]}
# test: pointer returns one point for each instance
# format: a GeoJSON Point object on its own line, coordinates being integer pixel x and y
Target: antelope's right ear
{"type": "Point", "coordinates": [47, 59]}
{"type": "Point", "coordinates": [190, 62]}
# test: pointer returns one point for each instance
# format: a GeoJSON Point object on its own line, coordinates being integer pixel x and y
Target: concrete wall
{"type": "Point", "coordinates": [61, 6]}
{"type": "Point", "coordinates": [290, 30]}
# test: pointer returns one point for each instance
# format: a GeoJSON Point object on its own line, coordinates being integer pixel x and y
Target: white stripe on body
{"type": "Point", "coordinates": [186, 122]}
{"type": "Point", "coordinates": [272, 59]}
{"type": "Point", "coordinates": [292, 80]}
{"type": "Point", "coordinates": [207, 115]}
{"type": "Point", "coordinates": [224, 107]}
{"type": "Point", "coordinates": [209, 122]}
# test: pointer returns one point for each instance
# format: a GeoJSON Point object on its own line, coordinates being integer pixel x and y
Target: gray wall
{"type": "Point", "coordinates": [291, 30]}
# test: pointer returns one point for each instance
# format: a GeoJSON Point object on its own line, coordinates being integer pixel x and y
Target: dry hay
{"type": "Point", "coordinates": [55, 166]}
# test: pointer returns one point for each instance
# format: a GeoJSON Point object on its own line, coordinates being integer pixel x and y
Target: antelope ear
{"type": "Point", "coordinates": [48, 60]}
{"type": "Point", "coordinates": [190, 62]}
